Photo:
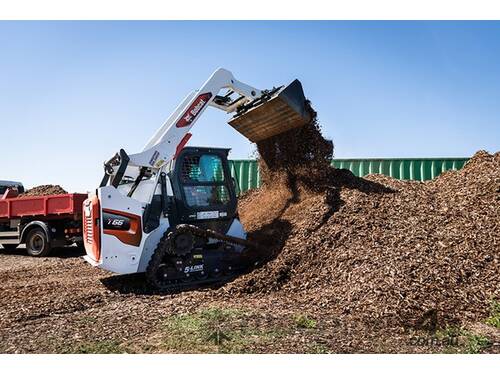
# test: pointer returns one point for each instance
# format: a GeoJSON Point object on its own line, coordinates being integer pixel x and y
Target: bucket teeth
{"type": "Point", "coordinates": [285, 110]}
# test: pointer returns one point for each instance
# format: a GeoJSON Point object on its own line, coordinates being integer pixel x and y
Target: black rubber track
{"type": "Point", "coordinates": [178, 285]}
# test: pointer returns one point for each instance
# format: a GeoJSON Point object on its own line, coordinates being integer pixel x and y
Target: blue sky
{"type": "Point", "coordinates": [73, 93]}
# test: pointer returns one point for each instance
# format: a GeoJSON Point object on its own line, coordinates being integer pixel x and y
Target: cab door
{"type": "Point", "coordinates": [203, 188]}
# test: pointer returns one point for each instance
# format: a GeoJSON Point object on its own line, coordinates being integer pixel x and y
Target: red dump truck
{"type": "Point", "coordinates": [40, 222]}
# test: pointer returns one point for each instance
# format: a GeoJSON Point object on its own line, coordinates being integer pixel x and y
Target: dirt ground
{"type": "Point", "coordinates": [60, 304]}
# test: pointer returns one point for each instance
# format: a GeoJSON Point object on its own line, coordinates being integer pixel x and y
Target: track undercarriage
{"type": "Point", "coordinates": [190, 256]}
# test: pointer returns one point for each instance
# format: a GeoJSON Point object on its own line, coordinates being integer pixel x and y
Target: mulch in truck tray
{"type": "Point", "coordinates": [44, 190]}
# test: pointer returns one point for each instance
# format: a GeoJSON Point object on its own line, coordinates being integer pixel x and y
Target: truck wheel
{"type": "Point", "coordinates": [37, 243]}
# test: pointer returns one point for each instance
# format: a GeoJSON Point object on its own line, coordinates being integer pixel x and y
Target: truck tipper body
{"type": "Point", "coordinates": [41, 222]}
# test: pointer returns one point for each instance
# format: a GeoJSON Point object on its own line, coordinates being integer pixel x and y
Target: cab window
{"type": "Point", "coordinates": [206, 196]}
{"type": "Point", "coordinates": [202, 168]}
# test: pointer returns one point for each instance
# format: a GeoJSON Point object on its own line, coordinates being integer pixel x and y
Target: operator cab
{"type": "Point", "coordinates": [203, 189]}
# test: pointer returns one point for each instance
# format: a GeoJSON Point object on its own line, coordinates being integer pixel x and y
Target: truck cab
{"type": "Point", "coordinates": [4, 185]}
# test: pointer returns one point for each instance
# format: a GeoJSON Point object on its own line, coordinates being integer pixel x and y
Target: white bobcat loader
{"type": "Point", "coordinates": [171, 211]}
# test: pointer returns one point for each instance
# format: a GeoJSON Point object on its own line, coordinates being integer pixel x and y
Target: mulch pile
{"type": "Point", "coordinates": [381, 251]}
{"type": "Point", "coordinates": [43, 190]}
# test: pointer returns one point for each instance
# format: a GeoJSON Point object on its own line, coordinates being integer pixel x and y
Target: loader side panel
{"type": "Point", "coordinates": [122, 238]}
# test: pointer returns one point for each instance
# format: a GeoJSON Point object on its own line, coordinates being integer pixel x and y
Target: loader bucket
{"type": "Point", "coordinates": [266, 117]}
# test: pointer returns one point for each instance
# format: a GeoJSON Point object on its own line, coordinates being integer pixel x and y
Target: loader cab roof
{"type": "Point", "coordinates": [10, 183]}
{"type": "Point", "coordinates": [4, 185]}
{"type": "Point", "coordinates": [206, 149]}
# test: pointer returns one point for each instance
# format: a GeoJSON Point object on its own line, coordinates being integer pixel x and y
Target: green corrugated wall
{"type": "Point", "coordinates": [247, 176]}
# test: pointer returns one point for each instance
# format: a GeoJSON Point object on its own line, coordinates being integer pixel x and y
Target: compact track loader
{"type": "Point", "coordinates": [171, 211]}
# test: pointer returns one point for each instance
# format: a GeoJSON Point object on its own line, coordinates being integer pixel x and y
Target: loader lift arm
{"type": "Point", "coordinates": [171, 137]}
{"type": "Point", "coordinates": [258, 115]}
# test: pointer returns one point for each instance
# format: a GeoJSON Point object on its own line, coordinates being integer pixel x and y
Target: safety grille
{"type": "Point", "coordinates": [89, 230]}
{"type": "Point", "coordinates": [204, 168]}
